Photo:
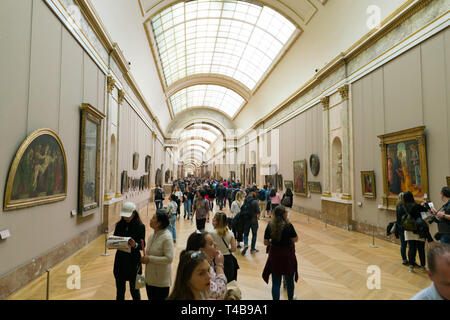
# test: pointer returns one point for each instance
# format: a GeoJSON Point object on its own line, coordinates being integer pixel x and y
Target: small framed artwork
{"type": "Point", "coordinates": [368, 184]}
{"type": "Point", "coordinates": [314, 164]}
{"type": "Point", "coordinates": [289, 184]}
{"type": "Point", "coordinates": [448, 182]}
{"type": "Point", "coordinates": [148, 163]}
{"type": "Point", "coordinates": [124, 180]}
{"type": "Point", "coordinates": [315, 187]}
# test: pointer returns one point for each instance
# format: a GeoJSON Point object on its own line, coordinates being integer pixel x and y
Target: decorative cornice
{"type": "Point", "coordinates": [325, 103]}
{"type": "Point", "coordinates": [343, 91]}
{"type": "Point", "coordinates": [121, 96]}
{"type": "Point", "coordinates": [110, 83]}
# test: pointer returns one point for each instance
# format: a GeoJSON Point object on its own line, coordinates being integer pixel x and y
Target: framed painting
{"type": "Point", "coordinates": [315, 187]}
{"type": "Point", "coordinates": [279, 179]}
{"type": "Point", "coordinates": [135, 161]}
{"type": "Point", "coordinates": [124, 182]}
{"type": "Point", "coordinates": [368, 184]}
{"type": "Point", "coordinates": [38, 173]}
{"type": "Point", "coordinates": [288, 184]}
{"type": "Point", "coordinates": [148, 163]}
{"type": "Point", "coordinates": [314, 164]}
{"type": "Point", "coordinates": [404, 161]}
{"type": "Point", "coordinates": [253, 174]}
{"type": "Point", "coordinates": [448, 182]}
{"type": "Point", "coordinates": [300, 178]}
{"type": "Point", "coordinates": [90, 153]}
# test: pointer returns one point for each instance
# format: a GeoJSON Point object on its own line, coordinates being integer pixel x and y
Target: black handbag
{"type": "Point", "coordinates": [231, 265]}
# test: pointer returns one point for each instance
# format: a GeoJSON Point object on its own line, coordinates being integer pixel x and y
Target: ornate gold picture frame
{"type": "Point", "coordinates": [368, 184]}
{"type": "Point", "coordinates": [448, 182]}
{"type": "Point", "coordinates": [38, 173]}
{"type": "Point", "coordinates": [300, 178]}
{"type": "Point", "coordinates": [90, 146]}
{"type": "Point", "coordinates": [404, 161]}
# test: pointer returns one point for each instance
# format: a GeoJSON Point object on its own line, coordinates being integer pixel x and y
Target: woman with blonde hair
{"type": "Point", "coordinates": [226, 244]}
{"type": "Point", "coordinates": [237, 224]}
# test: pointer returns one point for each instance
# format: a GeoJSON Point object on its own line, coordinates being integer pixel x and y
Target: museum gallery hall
{"type": "Point", "coordinates": [346, 103]}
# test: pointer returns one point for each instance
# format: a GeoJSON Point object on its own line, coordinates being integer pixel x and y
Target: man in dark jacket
{"type": "Point", "coordinates": [444, 216]}
{"type": "Point", "coordinates": [221, 192]}
{"type": "Point", "coordinates": [250, 211]}
{"type": "Point", "coordinates": [128, 264]}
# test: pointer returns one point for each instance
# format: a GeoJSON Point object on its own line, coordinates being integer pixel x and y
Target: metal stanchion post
{"type": "Point", "coordinates": [373, 238]}
{"type": "Point", "coordinates": [106, 238]}
{"type": "Point", "coordinates": [48, 285]}
{"type": "Point", "coordinates": [326, 222]}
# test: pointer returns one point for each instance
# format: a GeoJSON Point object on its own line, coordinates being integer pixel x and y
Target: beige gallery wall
{"type": "Point", "coordinates": [45, 76]}
{"type": "Point", "coordinates": [410, 91]}
{"type": "Point", "coordinates": [301, 137]}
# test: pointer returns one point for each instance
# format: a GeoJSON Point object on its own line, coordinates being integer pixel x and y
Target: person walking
{"type": "Point", "coordinates": [262, 197]}
{"type": "Point", "coordinates": [237, 223]}
{"type": "Point", "coordinates": [443, 217]}
{"type": "Point", "coordinates": [280, 236]}
{"type": "Point", "coordinates": [159, 197]}
{"type": "Point", "coordinates": [250, 212]}
{"type": "Point", "coordinates": [158, 257]}
{"type": "Point", "coordinates": [399, 228]}
{"type": "Point", "coordinates": [172, 214]}
{"type": "Point", "coordinates": [127, 263]}
{"type": "Point", "coordinates": [201, 210]}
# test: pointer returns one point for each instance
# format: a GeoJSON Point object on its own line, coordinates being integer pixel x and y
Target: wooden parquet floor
{"type": "Point", "coordinates": [333, 264]}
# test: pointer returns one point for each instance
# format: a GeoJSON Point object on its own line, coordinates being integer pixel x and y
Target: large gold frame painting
{"type": "Point", "coordinates": [90, 146]}
{"type": "Point", "coordinates": [38, 173]}
{"type": "Point", "coordinates": [404, 161]}
{"type": "Point", "coordinates": [300, 178]}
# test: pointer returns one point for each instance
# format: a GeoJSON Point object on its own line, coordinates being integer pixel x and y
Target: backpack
{"type": "Point", "coordinates": [158, 194]}
{"type": "Point", "coordinates": [246, 209]}
{"type": "Point", "coordinates": [408, 222]}
{"type": "Point", "coordinates": [262, 195]}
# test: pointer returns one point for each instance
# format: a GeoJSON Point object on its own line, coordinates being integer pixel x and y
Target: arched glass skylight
{"type": "Point", "coordinates": [201, 143]}
{"type": "Point", "coordinates": [234, 38]}
{"type": "Point", "coordinates": [194, 148]}
{"type": "Point", "coordinates": [205, 126]}
{"type": "Point", "coordinates": [213, 96]}
{"type": "Point", "coordinates": [201, 133]}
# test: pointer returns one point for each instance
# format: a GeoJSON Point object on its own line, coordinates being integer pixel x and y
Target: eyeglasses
{"type": "Point", "coordinates": [198, 255]}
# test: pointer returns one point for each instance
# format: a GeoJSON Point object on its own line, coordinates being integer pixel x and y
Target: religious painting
{"type": "Point", "coordinates": [89, 175]}
{"type": "Point", "coordinates": [288, 184]}
{"type": "Point", "coordinates": [124, 182]}
{"type": "Point", "coordinates": [315, 187]}
{"type": "Point", "coordinates": [38, 173]}
{"type": "Point", "coordinates": [148, 163]}
{"type": "Point", "coordinates": [368, 184]}
{"type": "Point", "coordinates": [300, 178]}
{"type": "Point", "coordinates": [279, 179]}
{"type": "Point", "coordinates": [135, 161]}
{"type": "Point", "coordinates": [314, 164]}
{"type": "Point", "coordinates": [404, 164]}
{"type": "Point", "coordinates": [158, 177]}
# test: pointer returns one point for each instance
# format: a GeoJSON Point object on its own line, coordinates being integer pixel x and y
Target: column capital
{"type": "Point", "coordinates": [343, 91]}
{"type": "Point", "coordinates": [121, 96]}
{"type": "Point", "coordinates": [325, 103]}
{"type": "Point", "coordinates": [110, 83]}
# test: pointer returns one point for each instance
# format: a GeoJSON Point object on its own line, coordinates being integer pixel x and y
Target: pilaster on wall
{"type": "Point", "coordinates": [326, 146]}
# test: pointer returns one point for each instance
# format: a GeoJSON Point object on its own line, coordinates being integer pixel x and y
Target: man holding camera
{"type": "Point", "coordinates": [443, 217]}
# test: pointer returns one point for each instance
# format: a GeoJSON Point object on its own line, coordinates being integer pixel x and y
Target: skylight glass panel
{"type": "Point", "coordinates": [202, 133]}
{"type": "Point", "coordinates": [212, 96]}
{"type": "Point", "coordinates": [219, 37]}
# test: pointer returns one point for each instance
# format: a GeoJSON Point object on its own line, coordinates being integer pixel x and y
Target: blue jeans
{"type": "Point", "coordinates": [247, 227]}
{"type": "Point", "coordinates": [173, 218]}
{"type": "Point", "coordinates": [158, 204]}
{"type": "Point", "coordinates": [187, 208]}
{"type": "Point", "coordinates": [403, 245]}
{"type": "Point", "coordinates": [445, 238]}
{"type": "Point", "coordinates": [276, 284]}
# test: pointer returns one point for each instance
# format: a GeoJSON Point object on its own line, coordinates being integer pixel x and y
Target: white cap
{"type": "Point", "coordinates": [127, 209]}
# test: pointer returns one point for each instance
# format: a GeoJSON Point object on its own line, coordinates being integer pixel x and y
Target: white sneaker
{"type": "Point", "coordinates": [411, 269]}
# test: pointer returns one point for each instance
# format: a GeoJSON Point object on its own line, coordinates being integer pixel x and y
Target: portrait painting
{"type": "Point", "coordinates": [300, 178]}
{"type": "Point", "coordinates": [89, 174]}
{"type": "Point", "coordinates": [368, 184]}
{"type": "Point", "coordinates": [314, 164]}
{"type": "Point", "coordinates": [315, 187]}
{"type": "Point", "coordinates": [404, 164]}
{"type": "Point", "coordinates": [38, 173]}
{"type": "Point", "coordinates": [288, 184]}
